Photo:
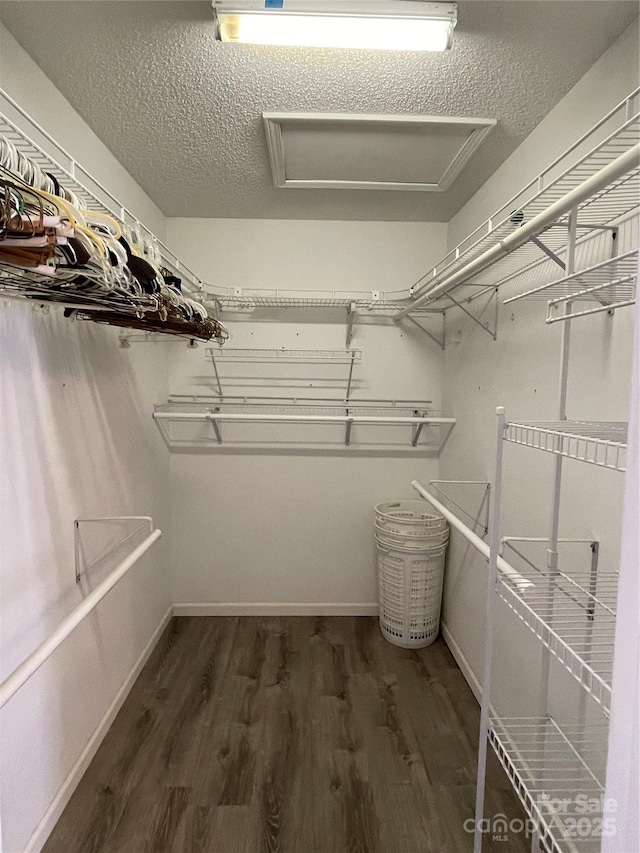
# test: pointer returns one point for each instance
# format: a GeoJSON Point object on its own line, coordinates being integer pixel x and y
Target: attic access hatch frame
{"type": "Point", "coordinates": [275, 124]}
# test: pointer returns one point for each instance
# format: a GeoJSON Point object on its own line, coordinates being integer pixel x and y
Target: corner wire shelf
{"type": "Point", "coordinates": [615, 136]}
{"type": "Point", "coordinates": [89, 190]}
{"type": "Point", "coordinates": [572, 617]}
{"type": "Point", "coordinates": [548, 766]}
{"type": "Point", "coordinates": [610, 283]}
{"type": "Point", "coordinates": [601, 443]}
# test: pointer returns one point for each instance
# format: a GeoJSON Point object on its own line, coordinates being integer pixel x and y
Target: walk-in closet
{"type": "Point", "coordinates": [319, 426]}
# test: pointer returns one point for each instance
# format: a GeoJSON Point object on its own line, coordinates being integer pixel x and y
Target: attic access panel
{"type": "Point", "coordinates": [371, 152]}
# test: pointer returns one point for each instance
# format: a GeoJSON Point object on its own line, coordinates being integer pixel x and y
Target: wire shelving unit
{"type": "Point", "coordinates": [547, 764]}
{"type": "Point", "coordinates": [594, 187]}
{"type": "Point", "coordinates": [598, 443]}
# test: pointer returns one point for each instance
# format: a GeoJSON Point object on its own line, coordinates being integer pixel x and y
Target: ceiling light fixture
{"type": "Point", "coordinates": [368, 24]}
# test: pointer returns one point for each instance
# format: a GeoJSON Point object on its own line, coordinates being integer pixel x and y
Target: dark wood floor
{"type": "Point", "coordinates": [286, 735]}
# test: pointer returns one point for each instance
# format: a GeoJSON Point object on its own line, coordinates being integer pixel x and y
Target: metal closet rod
{"type": "Point", "coordinates": [611, 172]}
{"type": "Point", "coordinates": [337, 419]}
{"type": "Point", "coordinates": [518, 580]}
{"type": "Point", "coordinates": [32, 664]}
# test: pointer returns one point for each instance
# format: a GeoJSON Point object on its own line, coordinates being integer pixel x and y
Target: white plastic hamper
{"type": "Point", "coordinates": [409, 518]}
{"type": "Point", "coordinates": [410, 594]}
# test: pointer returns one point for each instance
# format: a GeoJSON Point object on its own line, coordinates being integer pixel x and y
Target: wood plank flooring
{"type": "Point", "coordinates": [287, 735]}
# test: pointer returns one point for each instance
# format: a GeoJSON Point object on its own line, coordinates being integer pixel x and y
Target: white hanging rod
{"type": "Point", "coordinates": [337, 419]}
{"type": "Point", "coordinates": [597, 182]}
{"type": "Point", "coordinates": [519, 581]}
{"type": "Point", "coordinates": [32, 664]}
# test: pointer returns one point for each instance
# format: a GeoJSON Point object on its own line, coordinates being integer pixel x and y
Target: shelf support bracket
{"type": "Point", "coordinates": [548, 252]}
{"type": "Point", "coordinates": [215, 370]}
{"type": "Point", "coordinates": [441, 343]}
{"type": "Point", "coordinates": [484, 326]}
{"type": "Point", "coordinates": [117, 519]}
{"type": "Point", "coordinates": [483, 508]}
{"type": "Point", "coordinates": [347, 432]}
{"type": "Point", "coordinates": [216, 426]}
{"type": "Point", "coordinates": [351, 316]}
{"type": "Point", "coordinates": [350, 377]}
{"type": "Point", "coordinates": [416, 429]}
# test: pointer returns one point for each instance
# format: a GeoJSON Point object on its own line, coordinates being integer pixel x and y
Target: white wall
{"type": "Point", "coordinates": [297, 528]}
{"type": "Point", "coordinates": [77, 440]}
{"type": "Point", "coordinates": [520, 371]}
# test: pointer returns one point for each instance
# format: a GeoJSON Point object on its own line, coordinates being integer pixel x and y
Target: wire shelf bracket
{"type": "Point", "coordinates": [481, 518]}
{"type": "Point", "coordinates": [441, 341]}
{"type": "Point", "coordinates": [488, 326]}
{"type": "Point", "coordinates": [80, 569]}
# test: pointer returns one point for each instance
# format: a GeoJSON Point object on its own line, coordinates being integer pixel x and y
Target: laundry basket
{"type": "Point", "coordinates": [408, 518]}
{"type": "Point", "coordinates": [411, 547]}
{"type": "Point", "coordinates": [410, 594]}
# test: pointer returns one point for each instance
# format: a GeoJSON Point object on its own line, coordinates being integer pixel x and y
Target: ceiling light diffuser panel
{"type": "Point", "coordinates": [366, 24]}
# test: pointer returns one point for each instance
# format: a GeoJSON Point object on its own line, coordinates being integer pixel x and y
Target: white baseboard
{"type": "Point", "coordinates": [51, 816]}
{"type": "Point", "coordinates": [462, 662]}
{"type": "Point", "coordinates": [275, 608]}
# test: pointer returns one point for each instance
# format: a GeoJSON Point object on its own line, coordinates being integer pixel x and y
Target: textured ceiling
{"type": "Point", "coordinates": [183, 112]}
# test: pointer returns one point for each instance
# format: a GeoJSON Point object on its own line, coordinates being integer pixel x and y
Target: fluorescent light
{"type": "Point", "coordinates": [368, 24]}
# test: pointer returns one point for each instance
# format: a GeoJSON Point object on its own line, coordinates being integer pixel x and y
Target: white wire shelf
{"type": "Point", "coordinates": [298, 299]}
{"type": "Point", "coordinates": [611, 283]}
{"type": "Point", "coordinates": [303, 402]}
{"type": "Point", "coordinates": [330, 424]}
{"type": "Point", "coordinates": [53, 158]}
{"type": "Point", "coordinates": [573, 617]}
{"type": "Point", "coordinates": [550, 769]}
{"type": "Point", "coordinates": [616, 135]}
{"type": "Point", "coordinates": [284, 356]}
{"type": "Point", "coordinates": [599, 443]}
